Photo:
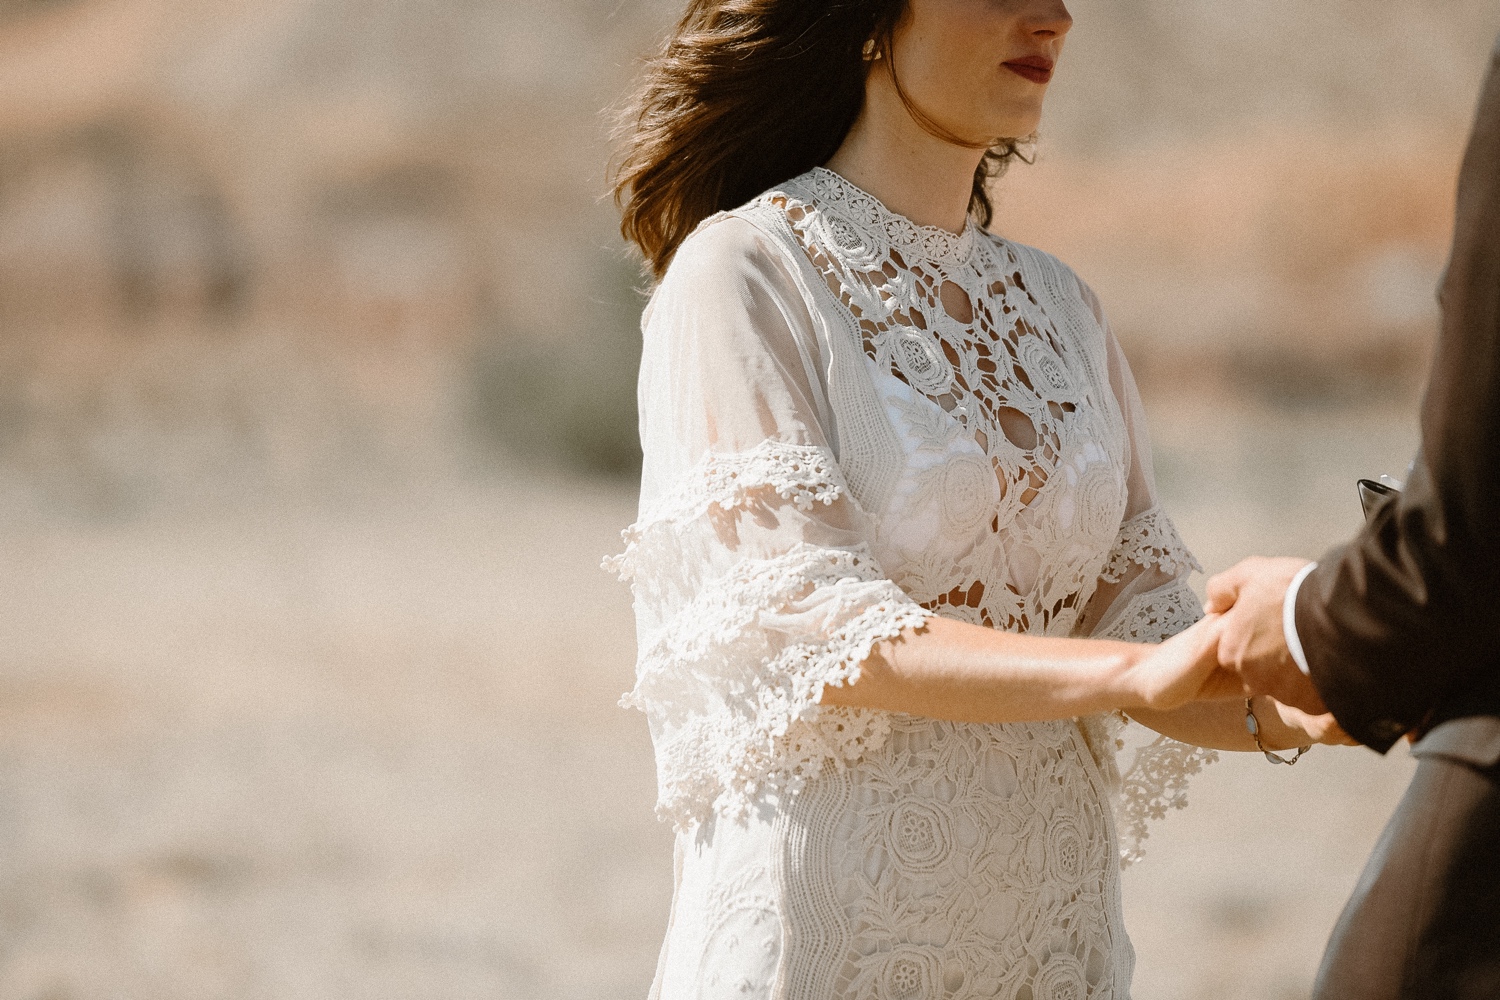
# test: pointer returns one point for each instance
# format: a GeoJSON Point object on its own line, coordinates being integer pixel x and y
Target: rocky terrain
{"type": "Point", "coordinates": [316, 389]}
{"type": "Point", "coordinates": [300, 230]}
{"type": "Point", "coordinates": [369, 747]}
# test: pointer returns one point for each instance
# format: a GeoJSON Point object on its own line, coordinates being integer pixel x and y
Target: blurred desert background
{"type": "Point", "coordinates": [317, 349]}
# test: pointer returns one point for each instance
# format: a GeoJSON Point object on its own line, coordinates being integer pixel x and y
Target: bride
{"type": "Point", "coordinates": [899, 571]}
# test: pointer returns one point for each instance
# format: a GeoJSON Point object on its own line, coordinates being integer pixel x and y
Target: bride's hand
{"type": "Point", "coordinates": [1303, 728]}
{"type": "Point", "coordinates": [1184, 668]}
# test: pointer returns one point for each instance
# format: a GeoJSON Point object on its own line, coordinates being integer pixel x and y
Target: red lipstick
{"type": "Point", "coordinates": [1037, 69]}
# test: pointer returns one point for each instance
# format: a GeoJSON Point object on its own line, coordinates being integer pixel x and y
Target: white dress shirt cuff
{"type": "Point", "coordinates": [1289, 617]}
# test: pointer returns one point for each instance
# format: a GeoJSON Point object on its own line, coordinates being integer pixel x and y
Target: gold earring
{"type": "Point", "coordinates": [870, 52]}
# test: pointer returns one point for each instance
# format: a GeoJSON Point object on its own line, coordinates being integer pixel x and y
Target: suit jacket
{"type": "Point", "coordinates": [1402, 626]}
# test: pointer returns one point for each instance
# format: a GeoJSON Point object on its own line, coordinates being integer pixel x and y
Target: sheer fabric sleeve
{"type": "Point", "coordinates": [1143, 595]}
{"type": "Point", "coordinates": [753, 583]}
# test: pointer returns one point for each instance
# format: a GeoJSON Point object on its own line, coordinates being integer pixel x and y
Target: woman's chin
{"type": "Point", "coordinates": [1013, 131]}
{"type": "Point", "coordinates": [1018, 124]}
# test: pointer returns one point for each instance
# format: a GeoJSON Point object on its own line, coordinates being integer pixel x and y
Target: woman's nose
{"type": "Point", "coordinates": [1051, 19]}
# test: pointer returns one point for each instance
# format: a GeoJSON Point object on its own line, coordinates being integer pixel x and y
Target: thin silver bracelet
{"type": "Point", "coordinates": [1253, 725]}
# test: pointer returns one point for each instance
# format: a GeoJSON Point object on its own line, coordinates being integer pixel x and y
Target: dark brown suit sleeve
{"type": "Point", "coordinates": [1404, 622]}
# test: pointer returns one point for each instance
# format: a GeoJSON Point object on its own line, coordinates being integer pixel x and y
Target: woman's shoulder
{"type": "Point", "coordinates": [755, 230]}
{"type": "Point", "coordinates": [733, 276]}
{"type": "Point", "coordinates": [724, 240]}
{"type": "Point", "coordinates": [739, 248]}
{"type": "Point", "coordinates": [729, 242]}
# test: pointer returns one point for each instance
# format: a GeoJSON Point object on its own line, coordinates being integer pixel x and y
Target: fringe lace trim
{"type": "Point", "coordinates": [1157, 781]}
{"type": "Point", "coordinates": [804, 474]}
{"type": "Point", "coordinates": [770, 733]}
{"type": "Point", "coordinates": [1157, 778]}
{"type": "Point", "coordinates": [1146, 540]}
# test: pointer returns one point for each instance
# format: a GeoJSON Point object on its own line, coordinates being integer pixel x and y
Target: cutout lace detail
{"type": "Point", "coordinates": [774, 734]}
{"type": "Point", "coordinates": [804, 474]}
{"type": "Point", "coordinates": [1157, 777]}
{"type": "Point", "coordinates": [982, 374]}
{"type": "Point", "coordinates": [854, 215]}
{"type": "Point", "coordinates": [1154, 782]}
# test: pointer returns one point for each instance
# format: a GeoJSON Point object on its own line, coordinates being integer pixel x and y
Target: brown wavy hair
{"type": "Point", "coordinates": [745, 94]}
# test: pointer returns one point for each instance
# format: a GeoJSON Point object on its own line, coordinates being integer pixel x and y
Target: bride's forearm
{"type": "Point", "coordinates": [1220, 725]}
{"type": "Point", "coordinates": [968, 673]}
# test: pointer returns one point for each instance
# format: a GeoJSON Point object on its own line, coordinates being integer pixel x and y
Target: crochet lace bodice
{"type": "Point", "coordinates": [851, 424]}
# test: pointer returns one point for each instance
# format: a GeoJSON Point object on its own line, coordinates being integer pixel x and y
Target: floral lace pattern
{"type": "Point", "coordinates": [1156, 615]}
{"type": "Point", "coordinates": [804, 474]}
{"type": "Point", "coordinates": [1156, 780]}
{"type": "Point", "coordinates": [978, 467]}
{"type": "Point", "coordinates": [987, 849]}
{"type": "Point", "coordinates": [1146, 540]}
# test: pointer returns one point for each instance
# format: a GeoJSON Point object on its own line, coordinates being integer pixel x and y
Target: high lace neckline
{"type": "Point", "coordinates": [869, 214]}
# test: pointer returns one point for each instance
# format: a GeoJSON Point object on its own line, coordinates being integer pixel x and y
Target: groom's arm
{"type": "Point", "coordinates": [1407, 616]}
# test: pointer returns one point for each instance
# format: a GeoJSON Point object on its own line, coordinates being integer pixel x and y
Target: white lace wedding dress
{"type": "Point", "coordinates": [850, 424]}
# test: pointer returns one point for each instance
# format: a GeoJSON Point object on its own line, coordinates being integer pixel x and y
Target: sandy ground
{"type": "Point", "coordinates": [287, 752]}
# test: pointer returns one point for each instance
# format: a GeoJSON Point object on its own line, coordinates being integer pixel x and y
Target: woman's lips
{"type": "Point", "coordinates": [1037, 69]}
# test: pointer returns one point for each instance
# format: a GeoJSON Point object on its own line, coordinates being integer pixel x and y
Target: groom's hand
{"type": "Point", "coordinates": [1251, 641]}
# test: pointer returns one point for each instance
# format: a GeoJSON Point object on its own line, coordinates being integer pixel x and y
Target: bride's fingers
{"type": "Point", "coordinates": [1319, 728]}
{"type": "Point", "coordinates": [1179, 669]}
{"type": "Point", "coordinates": [1202, 637]}
{"type": "Point", "coordinates": [1217, 682]}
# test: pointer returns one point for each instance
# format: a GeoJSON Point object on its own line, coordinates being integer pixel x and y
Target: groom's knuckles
{"type": "Point", "coordinates": [1220, 597]}
{"type": "Point", "coordinates": [1223, 590]}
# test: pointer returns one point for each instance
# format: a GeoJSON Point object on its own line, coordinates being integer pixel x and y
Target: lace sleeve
{"type": "Point", "coordinates": [1143, 596]}
{"type": "Point", "coordinates": [754, 587]}
{"type": "Point", "coordinates": [1149, 565]}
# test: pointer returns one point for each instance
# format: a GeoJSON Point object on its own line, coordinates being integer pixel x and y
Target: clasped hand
{"type": "Point", "coordinates": [1239, 650]}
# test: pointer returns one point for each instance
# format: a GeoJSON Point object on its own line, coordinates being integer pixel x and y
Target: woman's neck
{"type": "Point", "coordinates": [913, 173]}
